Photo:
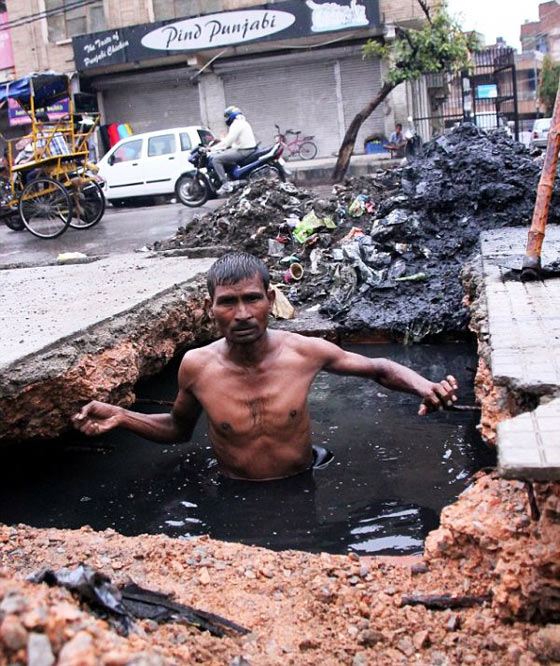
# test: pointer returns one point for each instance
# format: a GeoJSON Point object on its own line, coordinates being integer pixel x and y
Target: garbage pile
{"type": "Point", "coordinates": [384, 251]}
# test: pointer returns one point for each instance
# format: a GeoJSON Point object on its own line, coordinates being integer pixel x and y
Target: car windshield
{"type": "Point", "coordinates": [543, 124]}
{"type": "Point", "coordinates": [206, 137]}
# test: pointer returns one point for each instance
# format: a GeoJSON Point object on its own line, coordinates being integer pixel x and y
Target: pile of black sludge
{"type": "Point", "coordinates": [387, 249]}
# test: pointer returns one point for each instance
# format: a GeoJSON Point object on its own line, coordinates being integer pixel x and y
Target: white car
{"type": "Point", "coordinates": [539, 136]}
{"type": "Point", "coordinates": [149, 164]}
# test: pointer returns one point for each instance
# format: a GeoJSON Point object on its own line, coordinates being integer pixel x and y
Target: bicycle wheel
{"type": "Point", "coordinates": [307, 150]}
{"type": "Point", "coordinates": [45, 208]}
{"type": "Point", "coordinates": [88, 205]}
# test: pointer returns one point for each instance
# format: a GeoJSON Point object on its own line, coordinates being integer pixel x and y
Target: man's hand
{"type": "Point", "coordinates": [439, 395]}
{"type": "Point", "coordinates": [97, 418]}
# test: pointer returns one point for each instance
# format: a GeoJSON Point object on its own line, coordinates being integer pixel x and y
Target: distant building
{"type": "Point", "coordinates": [543, 35]}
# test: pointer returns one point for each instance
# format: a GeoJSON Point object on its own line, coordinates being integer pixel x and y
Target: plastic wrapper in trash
{"type": "Point", "coordinates": [368, 276]}
{"type": "Point", "coordinates": [292, 258]}
{"type": "Point", "coordinates": [373, 255]}
{"type": "Point", "coordinates": [121, 605]}
{"type": "Point", "coordinates": [397, 270]}
{"type": "Point", "coordinates": [315, 257]}
{"type": "Point", "coordinates": [275, 249]}
{"type": "Point", "coordinates": [355, 232]}
{"type": "Point", "coordinates": [398, 224]}
{"type": "Point", "coordinates": [358, 206]}
{"type": "Point", "coordinates": [282, 308]}
{"type": "Point", "coordinates": [292, 221]}
{"type": "Point", "coordinates": [309, 225]}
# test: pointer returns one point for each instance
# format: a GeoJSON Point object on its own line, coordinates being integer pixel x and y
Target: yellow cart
{"type": "Point", "coordinates": [50, 184]}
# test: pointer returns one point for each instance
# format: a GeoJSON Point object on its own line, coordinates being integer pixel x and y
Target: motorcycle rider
{"type": "Point", "coordinates": [239, 142]}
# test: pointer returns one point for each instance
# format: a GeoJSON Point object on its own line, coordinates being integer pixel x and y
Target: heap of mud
{"type": "Point", "coordinates": [383, 252]}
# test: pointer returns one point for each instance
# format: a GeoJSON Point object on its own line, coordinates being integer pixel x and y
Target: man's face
{"type": "Point", "coordinates": [241, 310]}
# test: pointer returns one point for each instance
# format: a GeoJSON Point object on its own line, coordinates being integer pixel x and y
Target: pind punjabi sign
{"type": "Point", "coordinates": [291, 19]}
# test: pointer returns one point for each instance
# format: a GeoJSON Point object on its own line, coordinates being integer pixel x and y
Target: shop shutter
{"type": "Point", "coordinates": [361, 81]}
{"type": "Point", "coordinates": [152, 106]}
{"type": "Point", "coordinates": [300, 97]}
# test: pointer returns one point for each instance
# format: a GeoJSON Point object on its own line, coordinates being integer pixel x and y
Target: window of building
{"type": "Point", "coordinates": [171, 9]}
{"type": "Point", "coordinates": [66, 18]}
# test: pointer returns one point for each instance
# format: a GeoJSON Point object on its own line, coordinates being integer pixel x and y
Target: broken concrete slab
{"type": "Point", "coordinates": [44, 305]}
{"type": "Point", "coordinates": [92, 330]}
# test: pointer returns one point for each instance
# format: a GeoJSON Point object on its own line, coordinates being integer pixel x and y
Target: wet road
{"type": "Point", "coordinates": [120, 230]}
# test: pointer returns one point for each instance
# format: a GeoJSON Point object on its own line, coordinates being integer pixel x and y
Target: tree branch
{"type": "Point", "coordinates": [424, 7]}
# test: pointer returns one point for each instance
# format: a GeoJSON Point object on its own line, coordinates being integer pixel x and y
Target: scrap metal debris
{"type": "Point", "coordinates": [121, 605]}
{"type": "Point", "coordinates": [384, 251]}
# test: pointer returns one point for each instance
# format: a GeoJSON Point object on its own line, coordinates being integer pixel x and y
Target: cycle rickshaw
{"type": "Point", "coordinates": [49, 185]}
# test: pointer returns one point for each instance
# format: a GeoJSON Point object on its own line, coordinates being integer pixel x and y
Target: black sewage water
{"type": "Point", "coordinates": [392, 472]}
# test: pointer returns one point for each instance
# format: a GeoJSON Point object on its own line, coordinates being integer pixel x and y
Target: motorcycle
{"type": "Point", "coordinates": [194, 188]}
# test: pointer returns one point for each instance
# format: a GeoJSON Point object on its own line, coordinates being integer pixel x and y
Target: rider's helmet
{"type": "Point", "coordinates": [231, 113]}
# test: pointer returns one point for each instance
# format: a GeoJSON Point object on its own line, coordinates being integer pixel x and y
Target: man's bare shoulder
{"type": "Point", "coordinates": [308, 346]}
{"type": "Point", "coordinates": [195, 360]}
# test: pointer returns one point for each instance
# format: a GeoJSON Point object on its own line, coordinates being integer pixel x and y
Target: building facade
{"type": "Point", "coordinates": [157, 64]}
{"type": "Point", "coordinates": [543, 35]}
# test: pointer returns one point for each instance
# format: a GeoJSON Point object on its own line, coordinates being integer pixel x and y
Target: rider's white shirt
{"type": "Point", "coordinates": [240, 135]}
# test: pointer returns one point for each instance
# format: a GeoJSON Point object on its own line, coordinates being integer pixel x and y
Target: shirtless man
{"type": "Point", "coordinates": [253, 383]}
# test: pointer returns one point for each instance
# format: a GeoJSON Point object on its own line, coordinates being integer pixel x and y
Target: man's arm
{"type": "Point", "coordinates": [230, 138]}
{"type": "Point", "coordinates": [99, 417]}
{"type": "Point", "coordinates": [392, 375]}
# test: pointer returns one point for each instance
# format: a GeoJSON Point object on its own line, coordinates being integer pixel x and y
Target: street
{"type": "Point", "coordinates": [120, 230]}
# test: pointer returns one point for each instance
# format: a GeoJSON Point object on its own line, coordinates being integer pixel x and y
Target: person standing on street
{"type": "Point", "coordinates": [239, 142]}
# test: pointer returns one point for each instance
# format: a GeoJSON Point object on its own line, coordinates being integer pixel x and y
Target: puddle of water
{"type": "Point", "coordinates": [392, 473]}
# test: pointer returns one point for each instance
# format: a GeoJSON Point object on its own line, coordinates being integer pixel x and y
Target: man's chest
{"type": "Point", "coordinates": [247, 400]}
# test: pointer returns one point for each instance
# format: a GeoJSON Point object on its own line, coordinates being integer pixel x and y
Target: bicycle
{"type": "Point", "coordinates": [300, 146]}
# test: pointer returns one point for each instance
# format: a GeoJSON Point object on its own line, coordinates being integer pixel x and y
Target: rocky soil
{"type": "Point", "coordinates": [303, 608]}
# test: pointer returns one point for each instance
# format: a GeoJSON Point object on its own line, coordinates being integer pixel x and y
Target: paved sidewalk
{"type": "Point", "coordinates": [524, 329]}
{"type": "Point", "coordinates": [308, 172]}
{"type": "Point", "coordinates": [43, 306]}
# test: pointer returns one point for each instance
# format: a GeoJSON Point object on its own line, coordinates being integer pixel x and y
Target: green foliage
{"type": "Point", "coordinates": [439, 45]}
{"type": "Point", "coordinates": [549, 84]}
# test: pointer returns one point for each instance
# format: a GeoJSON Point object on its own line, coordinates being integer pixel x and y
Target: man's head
{"type": "Point", "coordinates": [240, 299]}
{"type": "Point", "coordinates": [231, 113]}
{"type": "Point", "coordinates": [398, 127]}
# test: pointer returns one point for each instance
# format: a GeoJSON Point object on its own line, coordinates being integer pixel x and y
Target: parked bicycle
{"type": "Point", "coordinates": [302, 147]}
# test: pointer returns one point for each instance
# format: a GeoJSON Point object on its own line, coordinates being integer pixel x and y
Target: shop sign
{"type": "Point", "coordinates": [18, 116]}
{"type": "Point", "coordinates": [217, 30]}
{"type": "Point", "coordinates": [290, 19]}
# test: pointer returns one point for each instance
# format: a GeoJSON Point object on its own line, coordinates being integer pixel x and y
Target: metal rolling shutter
{"type": "Point", "coordinates": [300, 97]}
{"type": "Point", "coordinates": [361, 80]}
{"type": "Point", "coordinates": [152, 106]}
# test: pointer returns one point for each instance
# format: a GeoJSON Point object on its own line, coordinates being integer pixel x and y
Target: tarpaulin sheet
{"type": "Point", "coordinates": [46, 88]}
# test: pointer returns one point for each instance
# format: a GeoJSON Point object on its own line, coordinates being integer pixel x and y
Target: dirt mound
{"type": "Point", "coordinates": [384, 252]}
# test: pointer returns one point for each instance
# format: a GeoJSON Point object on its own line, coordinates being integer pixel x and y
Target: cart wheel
{"type": "Point", "coordinates": [45, 208]}
{"type": "Point", "coordinates": [14, 222]}
{"type": "Point", "coordinates": [88, 205]}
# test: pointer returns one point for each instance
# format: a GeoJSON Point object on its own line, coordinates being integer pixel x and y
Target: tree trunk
{"type": "Point", "coordinates": [347, 147]}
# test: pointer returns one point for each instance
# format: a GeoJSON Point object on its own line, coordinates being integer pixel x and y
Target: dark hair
{"type": "Point", "coordinates": [234, 267]}
{"type": "Point", "coordinates": [398, 125]}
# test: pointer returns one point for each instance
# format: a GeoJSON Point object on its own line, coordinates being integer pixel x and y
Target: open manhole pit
{"type": "Point", "coordinates": [391, 475]}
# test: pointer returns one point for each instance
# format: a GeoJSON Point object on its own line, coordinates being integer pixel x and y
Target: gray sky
{"type": "Point", "coordinates": [495, 18]}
